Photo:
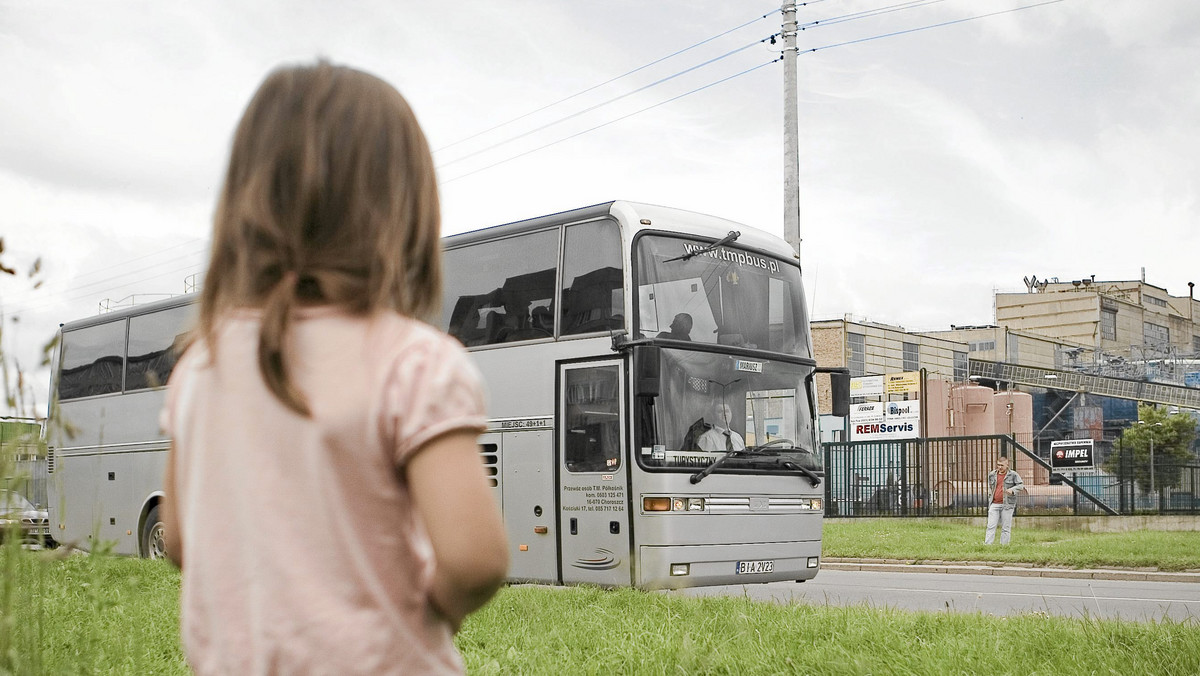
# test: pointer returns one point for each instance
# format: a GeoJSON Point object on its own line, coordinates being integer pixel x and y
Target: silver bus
{"type": "Point", "coordinates": [651, 382]}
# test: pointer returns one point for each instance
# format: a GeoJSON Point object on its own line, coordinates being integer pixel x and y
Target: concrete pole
{"type": "Point", "coordinates": [791, 124]}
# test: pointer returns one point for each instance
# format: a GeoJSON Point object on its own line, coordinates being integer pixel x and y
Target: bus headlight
{"type": "Point", "coordinates": [680, 568]}
{"type": "Point", "coordinates": [815, 504]}
{"type": "Point", "coordinates": [679, 504]}
{"type": "Point", "coordinates": [695, 504]}
{"type": "Point", "coordinates": [813, 561]}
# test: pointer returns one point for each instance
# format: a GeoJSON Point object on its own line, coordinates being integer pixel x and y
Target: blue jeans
{"type": "Point", "coordinates": [999, 514]}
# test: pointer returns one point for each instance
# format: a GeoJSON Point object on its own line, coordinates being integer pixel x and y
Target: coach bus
{"type": "Point", "coordinates": [652, 393]}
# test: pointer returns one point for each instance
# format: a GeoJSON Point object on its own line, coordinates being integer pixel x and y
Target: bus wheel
{"type": "Point", "coordinates": [153, 544]}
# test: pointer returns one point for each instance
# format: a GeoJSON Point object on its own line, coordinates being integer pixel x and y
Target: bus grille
{"type": "Point", "coordinates": [491, 463]}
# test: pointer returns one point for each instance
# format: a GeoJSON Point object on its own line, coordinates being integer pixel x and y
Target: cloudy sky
{"type": "Point", "coordinates": [937, 166]}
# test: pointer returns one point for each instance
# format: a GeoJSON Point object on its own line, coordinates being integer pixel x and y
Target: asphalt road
{"type": "Point", "coordinates": [988, 594]}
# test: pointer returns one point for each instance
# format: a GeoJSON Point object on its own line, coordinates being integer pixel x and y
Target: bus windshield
{"type": "Point", "coordinates": [695, 406]}
{"type": "Point", "coordinates": [728, 296]}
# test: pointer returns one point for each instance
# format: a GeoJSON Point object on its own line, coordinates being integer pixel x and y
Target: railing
{"type": "Point", "coordinates": [948, 477]}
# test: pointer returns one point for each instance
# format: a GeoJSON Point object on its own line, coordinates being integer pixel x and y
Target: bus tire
{"type": "Point", "coordinates": [153, 543]}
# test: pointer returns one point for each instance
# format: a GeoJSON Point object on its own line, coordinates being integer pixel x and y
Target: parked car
{"type": "Point", "coordinates": [20, 517]}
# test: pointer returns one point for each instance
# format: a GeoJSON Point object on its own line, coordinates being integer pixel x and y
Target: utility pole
{"type": "Point", "coordinates": [791, 124]}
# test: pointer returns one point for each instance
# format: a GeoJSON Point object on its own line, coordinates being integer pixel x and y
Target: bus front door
{"type": "Point", "coordinates": [593, 514]}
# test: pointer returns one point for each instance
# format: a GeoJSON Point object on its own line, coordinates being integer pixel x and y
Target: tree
{"type": "Point", "coordinates": [1173, 435]}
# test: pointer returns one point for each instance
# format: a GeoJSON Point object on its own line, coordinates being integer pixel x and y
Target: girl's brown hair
{"type": "Point", "coordinates": [330, 199]}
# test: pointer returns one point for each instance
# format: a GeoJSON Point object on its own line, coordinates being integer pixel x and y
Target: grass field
{"type": "Point", "coordinates": [105, 615]}
{"type": "Point", "coordinates": [930, 539]}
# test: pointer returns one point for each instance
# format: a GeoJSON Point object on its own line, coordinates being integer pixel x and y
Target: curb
{"type": "Point", "coordinates": [1002, 569]}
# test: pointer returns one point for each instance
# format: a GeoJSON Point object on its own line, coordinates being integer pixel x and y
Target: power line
{"type": "Point", "coordinates": [81, 291]}
{"type": "Point", "coordinates": [865, 14]}
{"type": "Point", "coordinates": [912, 4]}
{"type": "Point", "coordinates": [610, 80]}
{"type": "Point", "coordinates": [600, 105]}
{"type": "Point", "coordinates": [107, 269]}
{"type": "Point", "coordinates": [922, 28]}
{"type": "Point", "coordinates": [605, 124]}
{"type": "Point", "coordinates": [909, 5]}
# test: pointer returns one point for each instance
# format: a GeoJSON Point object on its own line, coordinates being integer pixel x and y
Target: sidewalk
{"type": "Point", "coordinates": [1007, 568]}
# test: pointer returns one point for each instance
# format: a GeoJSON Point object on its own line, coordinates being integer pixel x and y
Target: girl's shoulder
{"type": "Point", "coordinates": [401, 334]}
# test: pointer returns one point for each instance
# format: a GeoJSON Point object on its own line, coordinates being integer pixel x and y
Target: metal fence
{"type": "Point", "coordinates": [948, 477]}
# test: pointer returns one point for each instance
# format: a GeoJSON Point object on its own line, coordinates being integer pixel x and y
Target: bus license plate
{"type": "Point", "coordinates": [754, 567]}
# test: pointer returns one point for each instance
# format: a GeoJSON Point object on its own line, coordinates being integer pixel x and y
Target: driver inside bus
{"type": "Point", "coordinates": [681, 328]}
{"type": "Point", "coordinates": [720, 438]}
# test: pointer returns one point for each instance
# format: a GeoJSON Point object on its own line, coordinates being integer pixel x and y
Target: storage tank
{"type": "Point", "coordinates": [1014, 417]}
{"type": "Point", "coordinates": [978, 418]}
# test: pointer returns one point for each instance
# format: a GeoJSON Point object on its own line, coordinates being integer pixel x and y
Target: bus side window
{"type": "Point", "coordinates": [154, 341]}
{"type": "Point", "coordinates": [92, 361]}
{"type": "Point", "coordinates": [490, 288]}
{"type": "Point", "coordinates": [593, 292]}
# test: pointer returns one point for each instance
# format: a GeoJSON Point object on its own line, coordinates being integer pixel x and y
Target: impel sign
{"type": "Point", "coordinates": [1073, 454]}
{"type": "Point", "coordinates": [900, 420]}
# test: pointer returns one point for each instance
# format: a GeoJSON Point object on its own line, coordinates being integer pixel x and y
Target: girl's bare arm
{"type": "Point", "coordinates": [451, 494]}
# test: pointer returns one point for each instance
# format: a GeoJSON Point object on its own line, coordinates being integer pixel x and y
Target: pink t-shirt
{"type": "Point", "coordinates": [302, 550]}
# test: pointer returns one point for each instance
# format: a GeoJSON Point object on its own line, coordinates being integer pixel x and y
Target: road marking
{"type": "Point", "coordinates": [1044, 596]}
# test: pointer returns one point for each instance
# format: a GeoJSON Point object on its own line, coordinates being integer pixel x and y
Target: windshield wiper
{"type": "Point", "coordinates": [731, 237]}
{"type": "Point", "coordinates": [699, 476]}
{"type": "Point", "coordinates": [761, 449]}
{"type": "Point", "coordinates": [812, 476]}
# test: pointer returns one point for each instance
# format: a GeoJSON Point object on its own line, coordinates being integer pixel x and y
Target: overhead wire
{"type": "Point", "coordinates": [609, 81]}
{"type": "Point", "coordinates": [866, 13]}
{"type": "Point", "coordinates": [911, 4]}
{"type": "Point", "coordinates": [601, 104]}
{"type": "Point", "coordinates": [924, 28]}
{"type": "Point", "coordinates": [613, 121]}
{"type": "Point", "coordinates": [32, 304]}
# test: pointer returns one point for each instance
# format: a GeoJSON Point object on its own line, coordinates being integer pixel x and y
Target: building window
{"type": "Point", "coordinates": [1196, 344]}
{"type": "Point", "coordinates": [1013, 351]}
{"type": "Point", "coordinates": [1108, 324]}
{"type": "Point", "coordinates": [912, 357]}
{"type": "Point", "coordinates": [960, 366]}
{"type": "Point", "coordinates": [1151, 300]}
{"type": "Point", "coordinates": [981, 345]}
{"type": "Point", "coordinates": [1154, 334]}
{"type": "Point", "coordinates": [858, 353]}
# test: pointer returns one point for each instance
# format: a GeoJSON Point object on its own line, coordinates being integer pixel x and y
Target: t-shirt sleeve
{"type": "Point", "coordinates": [432, 389]}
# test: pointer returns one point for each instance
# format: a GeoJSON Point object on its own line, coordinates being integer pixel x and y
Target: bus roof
{"type": "Point", "coordinates": [131, 311]}
{"type": "Point", "coordinates": [633, 215]}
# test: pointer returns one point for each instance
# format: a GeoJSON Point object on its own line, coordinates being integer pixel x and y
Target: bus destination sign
{"type": "Point", "coordinates": [1072, 454]}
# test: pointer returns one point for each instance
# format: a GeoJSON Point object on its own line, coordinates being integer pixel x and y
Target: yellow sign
{"type": "Point", "coordinates": [900, 383]}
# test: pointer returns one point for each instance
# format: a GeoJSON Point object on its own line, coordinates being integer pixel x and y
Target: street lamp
{"type": "Point", "coordinates": [1157, 424]}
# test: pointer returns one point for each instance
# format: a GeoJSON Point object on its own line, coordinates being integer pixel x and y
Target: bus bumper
{"type": "Point", "coordinates": [678, 566]}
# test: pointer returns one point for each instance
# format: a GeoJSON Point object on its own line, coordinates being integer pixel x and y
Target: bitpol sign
{"type": "Point", "coordinates": [1073, 454]}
